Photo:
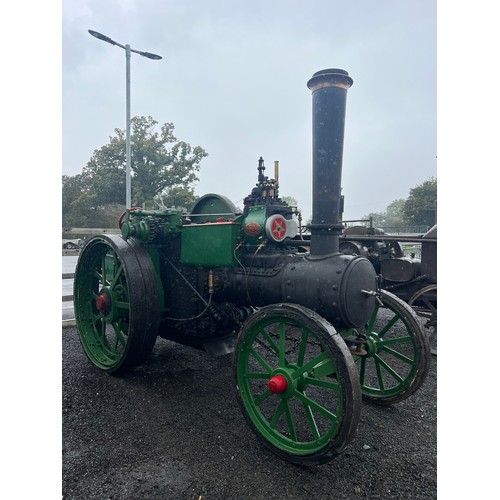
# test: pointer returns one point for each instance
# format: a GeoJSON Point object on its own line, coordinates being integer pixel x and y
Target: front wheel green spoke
{"type": "Point", "coordinates": [282, 345]}
{"type": "Point", "coordinates": [325, 384]}
{"type": "Point", "coordinates": [315, 406]}
{"type": "Point", "coordinates": [277, 414]}
{"type": "Point", "coordinates": [362, 371]}
{"type": "Point", "coordinates": [381, 362]}
{"type": "Point", "coordinates": [302, 348]}
{"type": "Point", "coordinates": [270, 341]}
{"type": "Point", "coordinates": [260, 359]}
{"type": "Point", "coordinates": [398, 340]}
{"type": "Point", "coordinates": [400, 356]}
{"type": "Point", "coordinates": [258, 401]}
{"type": "Point", "coordinates": [311, 364]}
{"type": "Point", "coordinates": [373, 318]}
{"type": "Point", "coordinates": [289, 419]}
{"type": "Point", "coordinates": [389, 325]}
{"type": "Point", "coordinates": [397, 353]}
{"type": "Point", "coordinates": [311, 420]}
{"type": "Point", "coordinates": [257, 375]}
{"type": "Point", "coordinates": [380, 378]}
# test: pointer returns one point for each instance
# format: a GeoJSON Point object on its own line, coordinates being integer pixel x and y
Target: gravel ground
{"type": "Point", "coordinates": [172, 429]}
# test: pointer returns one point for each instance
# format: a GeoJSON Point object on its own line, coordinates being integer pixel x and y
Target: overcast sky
{"type": "Point", "coordinates": [233, 80]}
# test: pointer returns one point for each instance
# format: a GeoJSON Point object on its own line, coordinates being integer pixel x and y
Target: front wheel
{"type": "Point", "coordinates": [296, 384]}
{"type": "Point", "coordinates": [393, 353]}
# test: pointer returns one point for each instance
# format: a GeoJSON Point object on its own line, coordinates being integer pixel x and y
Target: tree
{"type": "Point", "coordinates": [178, 197]}
{"type": "Point", "coordinates": [393, 215]}
{"type": "Point", "coordinates": [160, 164]}
{"type": "Point", "coordinates": [420, 206]}
{"type": "Point", "coordinates": [419, 209]}
{"type": "Point", "coordinates": [290, 200]}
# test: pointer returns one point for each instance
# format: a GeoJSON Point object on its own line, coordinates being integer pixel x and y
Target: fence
{"type": "Point", "coordinates": [67, 298]}
{"type": "Point", "coordinates": [75, 233]}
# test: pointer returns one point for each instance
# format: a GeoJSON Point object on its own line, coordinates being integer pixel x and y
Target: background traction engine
{"type": "Point", "coordinates": [310, 332]}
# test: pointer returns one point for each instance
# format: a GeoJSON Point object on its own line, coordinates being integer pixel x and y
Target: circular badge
{"type": "Point", "coordinates": [276, 228]}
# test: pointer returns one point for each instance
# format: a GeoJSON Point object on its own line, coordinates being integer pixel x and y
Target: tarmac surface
{"type": "Point", "coordinates": [171, 429]}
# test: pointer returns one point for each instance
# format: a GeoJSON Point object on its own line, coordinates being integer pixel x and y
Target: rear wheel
{"type": "Point", "coordinates": [116, 302]}
{"type": "Point", "coordinates": [296, 383]}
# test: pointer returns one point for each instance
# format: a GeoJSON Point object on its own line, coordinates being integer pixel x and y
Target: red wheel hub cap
{"type": "Point", "coordinates": [278, 384]}
{"type": "Point", "coordinates": [102, 302]}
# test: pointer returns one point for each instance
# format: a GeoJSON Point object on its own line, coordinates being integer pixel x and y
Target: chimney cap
{"type": "Point", "coordinates": [332, 77]}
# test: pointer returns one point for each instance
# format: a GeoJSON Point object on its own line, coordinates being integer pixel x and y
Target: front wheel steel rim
{"type": "Point", "coordinates": [290, 386]}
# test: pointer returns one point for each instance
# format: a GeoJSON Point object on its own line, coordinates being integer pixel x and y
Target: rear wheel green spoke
{"type": "Point", "coordinates": [119, 337]}
{"type": "Point", "coordinates": [116, 277]}
{"type": "Point", "coordinates": [121, 305]}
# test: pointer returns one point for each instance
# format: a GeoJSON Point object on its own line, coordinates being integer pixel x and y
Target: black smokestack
{"type": "Point", "coordinates": [329, 92]}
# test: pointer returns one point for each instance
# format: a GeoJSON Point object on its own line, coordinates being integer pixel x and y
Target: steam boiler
{"type": "Point", "coordinates": [310, 332]}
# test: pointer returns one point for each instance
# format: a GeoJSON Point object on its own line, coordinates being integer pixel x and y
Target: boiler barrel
{"type": "Point", "coordinates": [332, 286]}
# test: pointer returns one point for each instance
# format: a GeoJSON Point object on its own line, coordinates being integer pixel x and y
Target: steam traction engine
{"type": "Point", "coordinates": [311, 332]}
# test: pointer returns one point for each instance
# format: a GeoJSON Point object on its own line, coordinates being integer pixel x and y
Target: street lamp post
{"type": "Point", "coordinates": [128, 51]}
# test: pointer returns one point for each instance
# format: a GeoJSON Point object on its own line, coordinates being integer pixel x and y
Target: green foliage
{"type": "Point", "coordinates": [178, 197]}
{"type": "Point", "coordinates": [290, 200]}
{"type": "Point", "coordinates": [162, 168]}
{"type": "Point", "coordinates": [420, 207]}
{"type": "Point", "coordinates": [393, 216]}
